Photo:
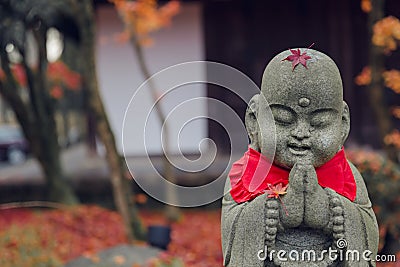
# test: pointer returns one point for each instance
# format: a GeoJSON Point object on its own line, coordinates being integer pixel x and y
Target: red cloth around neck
{"type": "Point", "coordinates": [249, 180]}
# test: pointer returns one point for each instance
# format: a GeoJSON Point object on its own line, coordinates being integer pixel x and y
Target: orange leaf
{"type": "Point", "coordinates": [366, 6]}
{"type": "Point", "coordinates": [386, 33]}
{"type": "Point", "coordinates": [364, 78]}
{"type": "Point", "coordinates": [119, 259]}
{"type": "Point", "coordinates": [393, 138]}
{"type": "Point", "coordinates": [392, 80]}
{"type": "Point", "coordinates": [396, 112]}
{"type": "Point", "coordinates": [141, 198]}
{"type": "Point", "coordinates": [274, 191]}
{"type": "Point", "coordinates": [142, 17]}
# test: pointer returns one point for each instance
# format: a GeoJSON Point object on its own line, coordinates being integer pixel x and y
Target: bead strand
{"type": "Point", "coordinates": [271, 223]}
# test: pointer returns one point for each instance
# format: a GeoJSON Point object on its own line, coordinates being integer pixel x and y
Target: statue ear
{"type": "Point", "coordinates": [345, 122]}
{"type": "Point", "coordinates": [251, 122]}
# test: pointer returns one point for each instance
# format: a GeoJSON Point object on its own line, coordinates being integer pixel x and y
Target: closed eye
{"type": "Point", "coordinates": [323, 117]}
{"type": "Point", "coordinates": [283, 115]}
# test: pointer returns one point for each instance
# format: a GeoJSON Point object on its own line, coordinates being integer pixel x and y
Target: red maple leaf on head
{"type": "Point", "coordinates": [298, 58]}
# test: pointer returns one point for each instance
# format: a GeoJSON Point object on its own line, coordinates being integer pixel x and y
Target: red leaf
{"type": "Point", "coordinates": [298, 58]}
{"type": "Point", "coordinates": [19, 74]}
{"type": "Point", "coordinates": [56, 92]}
{"type": "Point", "coordinates": [2, 75]}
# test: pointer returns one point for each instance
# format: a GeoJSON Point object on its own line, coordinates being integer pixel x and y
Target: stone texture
{"type": "Point", "coordinates": [312, 123]}
{"type": "Point", "coordinates": [131, 255]}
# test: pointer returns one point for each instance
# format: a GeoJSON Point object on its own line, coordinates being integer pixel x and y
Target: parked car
{"type": "Point", "coordinates": [14, 147]}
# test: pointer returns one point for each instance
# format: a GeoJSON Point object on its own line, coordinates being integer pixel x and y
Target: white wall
{"type": "Point", "coordinates": [119, 78]}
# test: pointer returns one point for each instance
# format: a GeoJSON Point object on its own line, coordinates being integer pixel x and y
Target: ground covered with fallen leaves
{"type": "Point", "coordinates": [49, 238]}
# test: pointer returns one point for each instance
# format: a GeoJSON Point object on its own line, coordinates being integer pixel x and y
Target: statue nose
{"type": "Point", "coordinates": [301, 131]}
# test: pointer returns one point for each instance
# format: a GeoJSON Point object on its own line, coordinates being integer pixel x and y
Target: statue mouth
{"type": "Point", "coordinates": [298, 149]}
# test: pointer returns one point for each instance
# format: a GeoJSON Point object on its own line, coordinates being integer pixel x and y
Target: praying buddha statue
{"type": "Point", "coordinates": [308, 205]}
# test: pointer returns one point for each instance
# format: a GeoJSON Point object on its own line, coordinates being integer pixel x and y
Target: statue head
{"type": "Point", "coordinates": [312, 121]}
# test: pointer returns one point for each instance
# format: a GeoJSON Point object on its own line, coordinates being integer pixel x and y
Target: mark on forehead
{"type": "Point", "coordinates": [304, 102]}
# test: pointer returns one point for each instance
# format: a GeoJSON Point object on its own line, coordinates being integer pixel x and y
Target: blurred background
{"type": "Point", "coordinates": [70, 69]}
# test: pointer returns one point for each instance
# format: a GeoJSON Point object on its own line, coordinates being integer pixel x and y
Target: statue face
{"type": "Point", "coordinates": [306, 131]}
{"type": "Point", "coordinates": [311, 119]}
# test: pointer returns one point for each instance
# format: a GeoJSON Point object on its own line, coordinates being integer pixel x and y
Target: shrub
{"type": "Point", "coordinates": [382, 178]}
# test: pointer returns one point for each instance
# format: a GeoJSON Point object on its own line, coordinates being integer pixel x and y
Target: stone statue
{"type": "Point", "coordinates": [320, 214]}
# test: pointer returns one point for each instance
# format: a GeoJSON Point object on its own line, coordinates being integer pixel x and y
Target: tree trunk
{"type": "Point", "coordinates": [121, 186]}
{"type": "Point", "coordinates": [58, 187]}
{"type": "Point", "coordinates": [48, 153]}
{"type": "Point", "coordinates": [38, 125]}
{"type": "Point", "coordinates": [172, 212]}
{"type": "Point", "coordinates": [376, 88]}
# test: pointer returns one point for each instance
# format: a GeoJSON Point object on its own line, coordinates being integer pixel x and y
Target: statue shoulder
{"type": "Point", "coordinates": [362, 192]}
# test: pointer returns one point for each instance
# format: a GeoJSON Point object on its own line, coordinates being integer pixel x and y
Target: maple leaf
{"type": "Point", "coordinates": [275, 191]}
{"type": "Point", "coordinates": [298, 58]}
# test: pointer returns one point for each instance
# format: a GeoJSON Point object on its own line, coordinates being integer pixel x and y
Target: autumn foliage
{"type": "Point", "coordinates": [59, 76]}
{"type": "Point", "coordinates": [392, 80]}
{"type": "Point", "coordinates": [393, 138]}
{"type": "Point", "coordinates": [297, 58]}
{"type": "Point", "coordinates": [376, 168]}
{"type": "Point", "coordinates": [19, 74]}
{"type": "Point", "coordinates": [59, 73]}
{"type": "Point", "coordinates": [29, 237]}
{"type": "Point", "coordinates": [366, 6]}
{"type": "Point", "coordinates": [32, 238]}
{"type": "Point", "coordinates": [385, 35]}
{"type": "Point", "coordinates": [364, 78]}
{"type": "Point", "coordinates": [196, 237]}
{"type": "Point", "coordinates": [50, 238]}
{"type": "Point", "coordinates": [142, 17]}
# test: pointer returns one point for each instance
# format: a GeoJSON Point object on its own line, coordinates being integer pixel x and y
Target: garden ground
{"type": "Point", "coordinates": [50, 238]}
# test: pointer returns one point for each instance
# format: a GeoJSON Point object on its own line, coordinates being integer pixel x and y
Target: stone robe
{"type": "Point", "coordinates": [244, 229]}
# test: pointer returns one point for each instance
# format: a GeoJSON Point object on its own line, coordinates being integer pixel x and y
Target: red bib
{"type": "Point", "coordinates": [248, 180]}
